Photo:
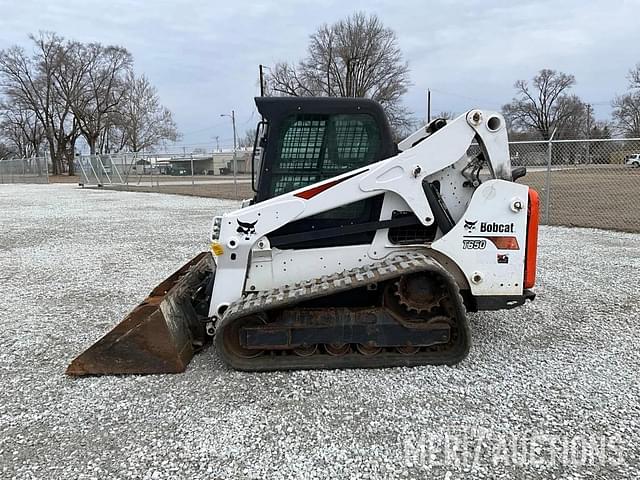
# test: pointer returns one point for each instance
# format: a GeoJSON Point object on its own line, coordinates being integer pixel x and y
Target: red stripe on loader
{"type": "Point", "coordinates": [312, 192]}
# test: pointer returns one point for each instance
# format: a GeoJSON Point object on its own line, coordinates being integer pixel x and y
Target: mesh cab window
{"type": "Point", "coordinates": [312, 148]}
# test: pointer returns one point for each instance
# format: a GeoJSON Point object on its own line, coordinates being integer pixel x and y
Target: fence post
{"type": "Point", "coordinates": [139, 175]}
{"type": "Point", "coordinates": [547, 185]}
{"type": "Point", "coordinates": [192, 182]}
{"type": "Point", "coordinates": [46, 163]}
{"type": "Point", "coordinates": [127, 169]}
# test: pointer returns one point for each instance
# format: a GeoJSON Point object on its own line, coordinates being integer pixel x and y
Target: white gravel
{"type": "Point", "coordinates": [73, 262]}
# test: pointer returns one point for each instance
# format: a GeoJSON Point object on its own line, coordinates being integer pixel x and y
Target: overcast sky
{"type": "Point", "coordinates": [203, 55]}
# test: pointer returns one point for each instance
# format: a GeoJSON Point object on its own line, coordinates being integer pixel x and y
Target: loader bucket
{"type": "Point", "coordinates": [160, 335]}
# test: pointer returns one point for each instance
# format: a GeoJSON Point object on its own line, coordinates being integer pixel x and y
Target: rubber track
{"type": "Point", "coordinates": [288, 296]}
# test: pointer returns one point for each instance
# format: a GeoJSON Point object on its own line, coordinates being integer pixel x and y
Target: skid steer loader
{"type": "Point", "coordinates": [354, 251]}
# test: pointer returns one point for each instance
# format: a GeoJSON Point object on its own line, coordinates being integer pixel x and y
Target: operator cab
{"type": "Point", "coordinates": [304, 140]}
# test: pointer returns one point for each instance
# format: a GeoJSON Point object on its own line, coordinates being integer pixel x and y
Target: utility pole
{"type": "Point", "coordinates": [349, 81]}
{"type": "Point", "coordinates": [428, 106]}
{"type": "Point", "coordinates": [547, 181]}
{"type": "Point", "coordinates": [261, 82]}
{"type": "Point", "coordinates": [329, 72]}
{"type": "Point", "coordinates": [217, 143]}
{"type": "Point", "coordinates": [235, 144]}
{"type": "Point", "coordinates": [348, 92]}
{"type": "Point", "coordinates": [192, 179]}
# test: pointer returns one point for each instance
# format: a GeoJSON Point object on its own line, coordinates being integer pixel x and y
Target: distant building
{"type": "Point", "coordinates": [217, 163]}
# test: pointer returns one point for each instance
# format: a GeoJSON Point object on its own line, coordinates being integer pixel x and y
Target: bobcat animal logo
{"type": "Point", "coordinates": [246, 228]}
{"type": "Point", "coordinates": [470, 226]}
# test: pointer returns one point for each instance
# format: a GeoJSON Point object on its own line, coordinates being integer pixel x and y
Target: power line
{"type": "Point", "coordinates": [219, 124]}
{"type": "Point", "coordinates": [253, 112]}
{"type": "Point", "coordinates": [203, 129]}
{"type": "Point", "coordinates": [211, 142]}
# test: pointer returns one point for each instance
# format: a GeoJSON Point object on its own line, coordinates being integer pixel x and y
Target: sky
{"type": "Point", "coordinates": [203, 56]}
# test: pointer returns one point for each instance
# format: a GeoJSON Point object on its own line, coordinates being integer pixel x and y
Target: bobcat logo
{"type": "Point", "coordinates": [246, 228]}
{"type": "Point", "coordinates": [470, 226]}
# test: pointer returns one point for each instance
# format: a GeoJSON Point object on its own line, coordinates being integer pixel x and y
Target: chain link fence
{"type": "Point", "coordinates": [584, 183]}
{"type": "Point", "coordinates": [24, 170]}
{"type": "Point", "coordinates": [205, 174]}
{"type": "Point", "coordinates": [136, 168]}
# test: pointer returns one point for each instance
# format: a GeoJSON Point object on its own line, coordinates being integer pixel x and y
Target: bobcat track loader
{"type": "Point", "coordinates": [354, 252]}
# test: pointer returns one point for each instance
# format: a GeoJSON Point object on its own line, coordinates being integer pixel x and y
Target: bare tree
{"type": "Point", "coordinates": [5, 151]}
{"type": "Point", "coordinates": [114, 136]}
{"type": "Point", "coordinates": [575, 118]}
{"type": "Point", "coordinates": [285, 79]}
{"type": "Point", "coordinates": [626, 114]}
{"type": "Point", "coordinates": [634, 77]}
{"type": "Point", "coordinates": [142, 120]}
{"type": "Point", "coordinates": [101, 87]}
{"type": "Point", "coordinates": [28, 82]}
{"type": "Point", "coordinates": [65, 90]}
{"type": "Point", "coordinates": [447, 115]}
{"type": "Point", "coordinates": [545, 105]}
{"type": "Point", "coordinates": [601, 130]}
{"type": "Point", "coordinates": [21, 130]}
{"type": "Point", "coordinates": [626, 108]}
{"type": "Point", "coordinates": [354, 57]}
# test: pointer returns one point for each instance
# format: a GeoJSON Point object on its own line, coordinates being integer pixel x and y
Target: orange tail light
{"type": "Point", "coordinates": [531, 252]}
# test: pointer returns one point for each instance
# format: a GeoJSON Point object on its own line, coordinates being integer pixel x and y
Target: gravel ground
{"type": "Point", "coordinates": [549, 390]}
{"type": "Point", "coordinates": [221, 190]}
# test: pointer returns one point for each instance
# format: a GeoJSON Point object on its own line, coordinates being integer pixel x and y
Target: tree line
{"type": "Point", "coordinates": [359, 57]}
{"type": "Point", "coordinates": [546, 107]}
{"type": "Point", "coordinates": [64, 90]}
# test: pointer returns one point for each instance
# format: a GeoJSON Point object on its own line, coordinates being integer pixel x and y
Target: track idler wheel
{"type": "Point", "coordinates": [368, 350]}
{"type": "Point", "coordinates": [337, 349]}
{"type": "Point", "coordinates": [408, 350]}
{"type": "Point", "coordinates": [305, 350]}
{"type": "Point", "coordinates": [233, 336]}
